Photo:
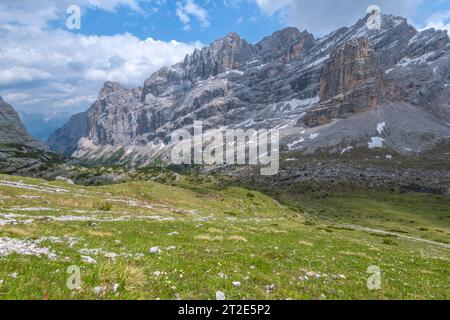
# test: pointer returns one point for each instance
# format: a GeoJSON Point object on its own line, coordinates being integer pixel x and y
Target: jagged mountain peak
{"type": "Point", "coordinates": [228, 53]}
{"type": "Point", "coordinates": [110, 87]}
{"type": "Point", "coordinates": [287, 80]}
{"type": "Point", "coordinates": [233, 36]}
{"type": "Point", "coordinates": [232, 39]}
{"type": "Point", "coordinates": [286, 45]}
{"type": "Point", "coordinates": [388, 21]}
{"type": "Point", "coordinates": [389, 24]}
{"type": "Point", "coordinates": [289, 32]}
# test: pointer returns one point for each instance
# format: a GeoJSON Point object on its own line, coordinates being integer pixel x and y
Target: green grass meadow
{"type": "Point", "coordinates": [145, 240]}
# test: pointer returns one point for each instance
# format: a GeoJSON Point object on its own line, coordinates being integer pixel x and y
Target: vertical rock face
{"type": "Point", "coordinates": [111, 119]}
{"type": "Point", "coordinates": [351, 82]}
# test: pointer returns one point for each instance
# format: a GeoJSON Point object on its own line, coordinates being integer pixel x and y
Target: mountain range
{"type": "Point", "coordinates": [354, 88]}
{"type": "Point", "coordinates": [355, 92]}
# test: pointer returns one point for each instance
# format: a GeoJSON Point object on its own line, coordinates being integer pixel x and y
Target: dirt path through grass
{"type": "Point", "coordinates": [370, 230]}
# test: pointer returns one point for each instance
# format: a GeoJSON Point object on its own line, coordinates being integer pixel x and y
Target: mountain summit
{"type": "Point", "coordinates": [334, 94]}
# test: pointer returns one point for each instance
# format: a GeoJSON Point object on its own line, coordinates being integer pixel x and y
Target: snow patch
{"type": "Point", "coordinates": [297, 103]}
{"type": "Point", "coordinates": [293, 144]}
{"type": "Point", "coordinates": [416, 61]}
{"type": "Point", "coordinates": [318, 61]}
{"type": "Point", "coordinates": [381, 127]}
{"type": "Point", "coordinates": [241, 73]}
{"type": "Point", "coordinates": [376, 142]}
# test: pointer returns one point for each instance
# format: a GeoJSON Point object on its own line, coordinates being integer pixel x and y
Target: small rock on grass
{"type": "Point", "coordinates": [157, 274]}
{"type": "Point", "coordinates": [220, 295]}
{"type": "Point", "coordinates": [339, 276]}
{"type": "Point", "coordinates": [155, 250]}
{"type": "Point", "coordinates": [270, 288]}
{"type": "Point", "coordinates": [236, 284]}
{"type": "Point", "coordinates": [87, 259]}
{"type": "Point", "coordinates": [66, 180]}
{"type": "Point", "coordinates": [99, 290]}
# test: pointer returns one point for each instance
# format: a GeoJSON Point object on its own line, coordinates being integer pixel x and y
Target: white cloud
{"type": "Point", "coordinates": [44, 69]}
{"type": "Point", "coordinates": [323, 16]}
{"type": "Point", "coordinates": [39, 13]}
{"type": "Point", "coordinates": [31, 13]}
{"type": "Point", "coordinates": [271, 6]}
{"type": "Point", "coordinates": [190, 9]}
{"type": "Point", "coordinates": [439, 21]}
{"type": "Point", "coordinates": [111, 5]}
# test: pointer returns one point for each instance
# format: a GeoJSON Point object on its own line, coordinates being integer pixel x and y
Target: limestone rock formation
{"type": "Point", "coordinates": [306, 87]}
{"type": "Point", "coordinates": [351, 82]}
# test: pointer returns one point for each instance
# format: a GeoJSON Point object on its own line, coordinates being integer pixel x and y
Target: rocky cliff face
{"type": "Point", "coordinates": [65, 140]}
{"type": "Point", "coordinates": [285, 46]}
{"type": "Point", "coordinates": [12, 131]}
{"type": "Point", "coordinates": [351, 82]}
{"type": "Point", "coordinates": [19, 152]}
{"type": "Point", "coordinates": [306, 87]}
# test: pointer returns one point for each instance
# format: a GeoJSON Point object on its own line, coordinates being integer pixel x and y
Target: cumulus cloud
{"type": "Point", "coordinates": [45, 69]}
{"type": "Point", "coordinates": [439, 21]}
{"type": "Point", "coordinates": [185, 11]}
{"type": "Point", "coordinates": [111, 5]}
{"type": "Point", "coordinates": [323, 16]}
{"type": "Point", "coordinates": [271, 6]}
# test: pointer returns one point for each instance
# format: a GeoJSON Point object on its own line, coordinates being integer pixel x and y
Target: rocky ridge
{"type": "Point", "coordinates": [12, 131]}
{"type": "Point", "coordinates": [308, 88]}
{"type": "Point", "coordinates": [19, 151]}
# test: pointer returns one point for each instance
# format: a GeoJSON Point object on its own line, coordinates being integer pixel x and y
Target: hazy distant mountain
{"type": "Point", "coordinates": [42, 126]}
{"type": "Point", "coordinates": [387, 89]}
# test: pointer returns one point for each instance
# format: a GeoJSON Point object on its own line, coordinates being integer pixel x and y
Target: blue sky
{"type": "Point", "coordinates": [251, 20]}
{"type": "Point", "coordinates": [246, 19]}
{"type": "Point", "coordinates": [44, 67]}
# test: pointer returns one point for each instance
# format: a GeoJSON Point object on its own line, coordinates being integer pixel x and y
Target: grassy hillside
{"type": "Point", "coordinates": [144, 240]}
